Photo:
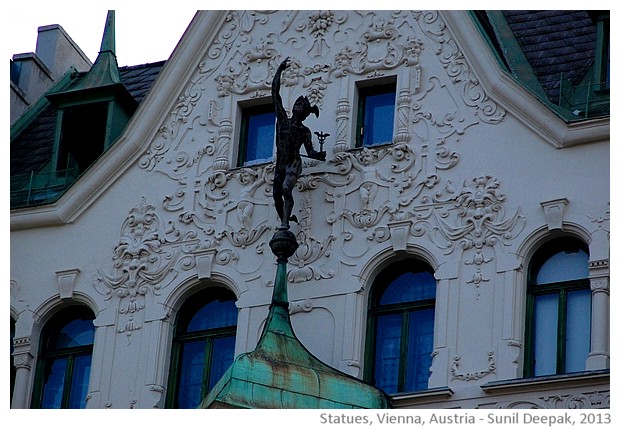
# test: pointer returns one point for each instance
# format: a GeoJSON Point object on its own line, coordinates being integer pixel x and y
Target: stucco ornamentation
{"type": "Point", "coordinates": [573, 400]}
{"type": "Point", "coordinates": [473, 217]}
{"type": "Point", "coordinates": [143, 263]}
{"type": "Point", "coordinates": [457, 374]}
{"type": "Point", "coordinates": [390, 183]}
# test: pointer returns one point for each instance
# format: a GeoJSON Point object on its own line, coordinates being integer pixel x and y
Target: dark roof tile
{"type": "Point", "coordinates": [555, 42]}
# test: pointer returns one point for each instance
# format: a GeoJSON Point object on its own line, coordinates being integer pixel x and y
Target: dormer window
{"type": "Point", "coordinates": [82, 136]}
{"type": "Point", "coordinates": [93, 110]}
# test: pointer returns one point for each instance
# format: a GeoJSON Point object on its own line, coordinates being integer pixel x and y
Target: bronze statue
{"type": "Point", "coordinates": [291, 134]}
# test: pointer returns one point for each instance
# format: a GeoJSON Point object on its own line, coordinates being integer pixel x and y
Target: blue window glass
{"type": "Point", "coordinates": [559, 313]}
{"type": "Point", "coordinates": [55, 371]}
{"type": "Point", "coordinates": [257, 136]}
{"type": "Point", "coordinates": [63, 369]}
{"type": "Point", "coordinates": [221, 358]}
{"type": "Point", "coordinates": [419, 349]}
{"type": "Point", "coordinates": [546, 332]}
{"type": "Point", "coordinates": [403, 315]}
{"type": "Point", "coordinates": [563, 266]}
{"type": "Point", "coordinates": [203, 347]}
{"type": "Point", "coordinates": [216, 314]}
{"type": "Point", "coordinates": [79, 381]}
{"type": "Point", "coordinates": [376, 118]}
{"type": "Point", "coordinates": [399, 289]}
{"type": "Point", "coordinates": [578, 312]}
{"type": "Point", "coordinates": [77, 332]}
{"type": "Point", "coordinates": [387, 357]}
{"type": "Point", "coordinates": [192, 373]}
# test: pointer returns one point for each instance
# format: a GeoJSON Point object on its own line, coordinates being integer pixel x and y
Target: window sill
{"type": "Point", "coordinates": [586, 378]}
{"type": "Point", "coordinates": [404, 400]}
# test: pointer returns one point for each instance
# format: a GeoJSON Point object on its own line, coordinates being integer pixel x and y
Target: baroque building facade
{"type": "Point", "coordinates": [485, 201]}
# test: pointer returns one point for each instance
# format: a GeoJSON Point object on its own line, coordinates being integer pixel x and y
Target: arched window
{"type": "Point", "coordinates": [402, 315]}
{"type": "Point", "coordinates": [203, 346]}
{"type": "Point", "coordinates": [63, 367]}
{"type": "Point", "coordinates": [558, 309]}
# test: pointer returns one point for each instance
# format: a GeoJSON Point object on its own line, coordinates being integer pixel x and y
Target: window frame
{"type": "Point", "coordinates": [559, 288]}
{"type": "Point", "coordinates": [195, 303]}
{"type": "Point", "coordinates": [384, 279]}
{"type": "Point", "coordinates": [247, 112]}
{"type": "Point", "coordinates": [52, 326]}
{"type": "Point", "coordinates": [364, 92]}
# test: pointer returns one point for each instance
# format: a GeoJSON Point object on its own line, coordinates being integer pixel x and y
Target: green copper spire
{"type": "Point", "coordinates": [281, 372]}
{"type": "Point", "coordinates": [108, 43]}
{"type": "Point", "coordinates": [104, 73]}
{"type": "Point", "coordinates": [102, 86]}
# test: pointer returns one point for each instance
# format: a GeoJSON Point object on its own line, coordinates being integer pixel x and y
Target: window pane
{"type": "Point", "coordinates": [409, 287]}
{"type": "Point", "coordinates": [563, 266]}
{"type": "Point", "coordinates": [191, 377]}
{"type": "Point", "coordinates": [577, 330]}
{"type": "Point", "coordinates": [54, 381]}
{"type": "Point", "coordinates": [79, 381]}
{"type": "Point", "coordinates": [419, 349]}
{"type": "Point", "coordinates": [387, 352]}
{"type": "Point", "coordinates": [222, 357]}
{"type": "Point", "coordinates": [260, 137]}
{"type": "Point", "coordinates": [77, 332]}
{"type": "Point", "coordinates": [216, 314]}
{"type": "Point", "coordinates": [378, 118]}
{"type": "Point", "coordinates": [545, 334]}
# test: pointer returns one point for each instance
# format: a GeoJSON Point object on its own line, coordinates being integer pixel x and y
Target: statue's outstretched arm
{"type": "Point", "coordinates": [310, 151]}
{"type": "Point", "coordinates": [275, 88]}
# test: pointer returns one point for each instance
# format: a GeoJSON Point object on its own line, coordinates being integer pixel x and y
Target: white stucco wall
{"type": "Point", "coordinates": [457, 137]}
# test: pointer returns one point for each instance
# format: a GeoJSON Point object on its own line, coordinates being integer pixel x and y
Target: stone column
{"type": "Point", "coordinates": [23, 364]}
{"type": "Point", "coordinates": [599, 341]}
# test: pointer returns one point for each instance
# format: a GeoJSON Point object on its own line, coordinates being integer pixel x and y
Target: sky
{"type": "Point", "coordinates": [143, 34]}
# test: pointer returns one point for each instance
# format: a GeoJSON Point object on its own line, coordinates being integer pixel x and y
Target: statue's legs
{"type": "Point", "coordinates": [278, 182]}
{"type": "Point", "coordinates": [290, 180]}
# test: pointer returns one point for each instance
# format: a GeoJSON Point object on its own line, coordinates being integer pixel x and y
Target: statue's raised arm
{"type": "Point", "coordinates": [275, 89]}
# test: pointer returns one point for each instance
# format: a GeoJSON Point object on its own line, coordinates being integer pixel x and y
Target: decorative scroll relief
{"type": "Point", "coordinates": [383, 186]}
{"type": "Point", "coordinates": [242, 60]}
{"type": "Point", "coordinates": [146, 260]}
{"type": "Point", "coordinates": [474, 219]}
{"type": "Point", "coordinates": [601, 220]}
{"type": "Point", "coordinates": [380, 47]}
{"type": "Point", "coordinates": [455, 64]}
{"type": "Point", "coordinates": [305, 260]}
{"type": "Point", "coordinates": [16, 291]}
{"type": "Point", "coordinates": [597, 399]}
{"type": "Point", "coordinates": [438, 100]}
{"type": "Point", "coordinates": [457, 374]}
